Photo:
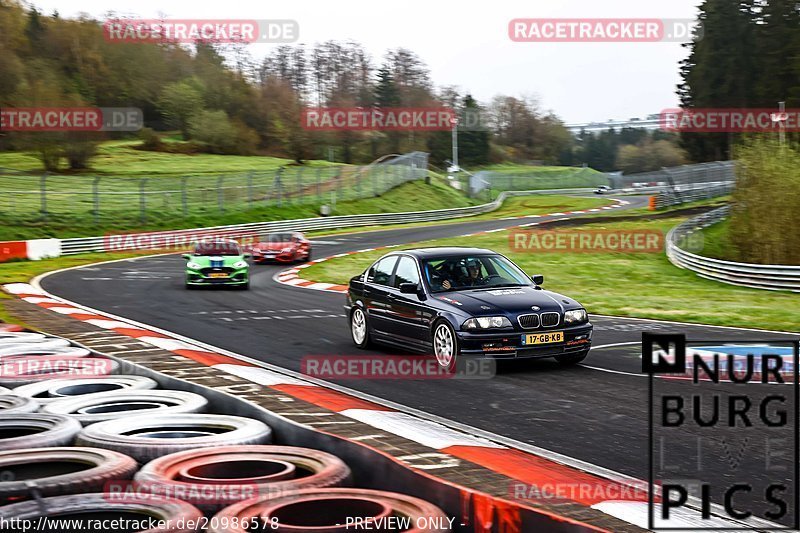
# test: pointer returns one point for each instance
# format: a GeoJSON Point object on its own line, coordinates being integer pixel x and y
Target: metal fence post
{"type": "Point", "coordinates": [43, 194]}
{"type": "Point", "coordinates": [142, 201]}
{"type": "Point", "coordinates": [96, 196]}
{"type": "Point", "coordinates": [374, 178]}
{"type": "Point", "coordinates": [300, 184]}
{"type": "Point", "coordinates": [220, 194]}
{"type": "Point", "coordinates": [184, 200]}
{"type": "Point", "coordinates": [279, 186]}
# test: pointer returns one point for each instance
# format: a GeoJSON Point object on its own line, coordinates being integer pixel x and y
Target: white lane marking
{"type": "Point", "coordinates": [110, 324]}
{"type": "Point", "coordinates": [262, 376]}
{"type": "Point", "coordinates": [409, 427]}
{"type": "Point", "coordinates": [67, 310]}
{"type": "Point", "coordinates": [22, 288]}
{"type": "Point", "coordinates": [168, 344]}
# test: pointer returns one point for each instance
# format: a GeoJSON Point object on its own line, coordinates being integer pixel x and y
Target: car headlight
{"type": "Point", "coordinates": [576, 316]}
{"type": "Point", "coordinates": [240, 264]}
{"type": "Point", "coordinates": [487, 322]}
{"type": "Point", "coordinates": [193, 266]}
{"type": "Point", "coordinates": [286, 250]}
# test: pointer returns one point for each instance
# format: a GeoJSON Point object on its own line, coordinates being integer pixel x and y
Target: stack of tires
{"type": "Point", "coordinates": [116, 446]}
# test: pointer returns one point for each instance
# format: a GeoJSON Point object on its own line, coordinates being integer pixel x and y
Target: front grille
{"type": "Point", "coordinates": [550, 319]}
{"type": "Point", "coordinates": [528, 321]}
{"type": "Point", "coordinates": [207, 271]}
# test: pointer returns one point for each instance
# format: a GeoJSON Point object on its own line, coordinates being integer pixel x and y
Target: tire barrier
{"type": "Point", "coordinates": [149, 437]}
{"type": "Point", "coordinates": [56, 471]}
{"type": "Point", "coordinates": [4, 391]}
{"type": "Point", "coordinates": [48, 343]}
{"type": "Point", "coordinates": [175, 515]}
{"type": "Point", "coordinates": [123, 404]}
{"type": "Point", "coordinates": [18, 371]}
{"type": "Point", "coordinates": [33, 350]}
{"type": "Point", "coordinates": [36, 430]}
{"type": "Point", "coordinates": [332, 511]}
{"type": "Point", "coordinates": [50, 391]}
{"type": "Point", "coordinates": [235, 473]}
{"type": "Point", "coordinates": [10, 404]}
{"type": "Point", "coordinates": [19, 336]}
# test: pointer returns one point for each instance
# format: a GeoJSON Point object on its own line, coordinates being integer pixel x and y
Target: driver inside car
{"type": "Point", "coordinates": [473, 277]}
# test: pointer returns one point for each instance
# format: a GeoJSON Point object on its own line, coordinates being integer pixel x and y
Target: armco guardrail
{"type": "Point", "coordinates": [772, 277]}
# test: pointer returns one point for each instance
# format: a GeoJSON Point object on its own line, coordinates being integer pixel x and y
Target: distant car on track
{"type": "Point", "coordinates": [283, 247]}
{"type": "Point", "coordinates": [469, 301]}
{"type": "Point", "coordinates": [217, 262]}
{"type": "Point", "coordinates": [602, 189]}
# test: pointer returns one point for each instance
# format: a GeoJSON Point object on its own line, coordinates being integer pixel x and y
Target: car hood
{"type": "Point", "coordinates": [515, 300]}
{"type": "Point", "coordinates": [206, 260]}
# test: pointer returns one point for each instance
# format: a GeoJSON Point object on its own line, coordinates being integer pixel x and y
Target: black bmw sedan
{"type": "Point", "coordinates": [464, 301]}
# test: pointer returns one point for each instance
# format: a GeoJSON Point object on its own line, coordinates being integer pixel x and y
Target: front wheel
{"type": "Point", "coordinates": [359, 329]}
{"type": "Point", "coordinates": [445, 345]}
{"type": "Point", "coordinates": [572, 358]}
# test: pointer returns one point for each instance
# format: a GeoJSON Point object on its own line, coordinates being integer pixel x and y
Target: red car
{"type": "Point", "coordinates": [286, 247]}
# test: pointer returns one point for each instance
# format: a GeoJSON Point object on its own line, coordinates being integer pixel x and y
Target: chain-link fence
{"type": "Point", "coordinates": [715, 172]}
{"type": "Point", "coordinates": [531, 179]}
{"type": "Point", "coordinates": [28, 197]}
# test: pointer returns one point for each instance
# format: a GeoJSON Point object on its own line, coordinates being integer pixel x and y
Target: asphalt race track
{"type": "Point", "coordinates": [596, 412]}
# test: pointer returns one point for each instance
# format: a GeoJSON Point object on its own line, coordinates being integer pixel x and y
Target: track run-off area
{"type": "Point", "coordinates": [595, 413]}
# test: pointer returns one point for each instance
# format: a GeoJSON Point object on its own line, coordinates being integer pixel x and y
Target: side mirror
{"type": "Point", "coordinates": [538, 279]}
{"type": "Point", "coordinates": [409, 288]}
{"type": "Point", "coordinates": [186, 256]}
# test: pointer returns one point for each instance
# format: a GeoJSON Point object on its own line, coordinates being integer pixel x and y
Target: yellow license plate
{"type": "Point", "coordinates": [218, 275]}
{"type": "Point", "coordinates": [543, 338]}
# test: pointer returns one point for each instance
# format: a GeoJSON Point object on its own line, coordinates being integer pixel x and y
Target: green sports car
{"type": "Point", "coordinates": [219, 262]}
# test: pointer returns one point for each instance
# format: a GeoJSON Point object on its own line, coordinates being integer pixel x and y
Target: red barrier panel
{"type": "Point", "coordinates": [13, 250]}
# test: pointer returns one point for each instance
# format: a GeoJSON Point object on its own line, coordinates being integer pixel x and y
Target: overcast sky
{"type": "Point", "coordinates": [465, 43]}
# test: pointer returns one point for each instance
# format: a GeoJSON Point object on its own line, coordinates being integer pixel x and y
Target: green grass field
{"type": "Point", "coordinates": [644, 285]}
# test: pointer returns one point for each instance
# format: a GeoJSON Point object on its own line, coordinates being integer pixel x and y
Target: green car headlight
{"type": "Point", "coordinates": [191, 265]}
{"type": "Point", "coordinates": [576, 316]}
{"type": "Point", "coordinates": [487, 322]}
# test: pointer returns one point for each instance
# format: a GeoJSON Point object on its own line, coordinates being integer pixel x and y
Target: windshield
{"type": "Point", "coordinates": [279, 237]}
{"type": "Point", "coordinates": [471, 271]}
{"type": "Point", "coordinates": [217, 248]}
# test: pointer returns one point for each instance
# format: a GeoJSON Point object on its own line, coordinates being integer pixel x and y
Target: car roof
{"type": "Point", "coordinates": [445, 251]}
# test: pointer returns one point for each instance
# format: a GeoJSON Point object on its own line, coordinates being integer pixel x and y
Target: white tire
{"type": "Point", "coordinates": [16, 404]}
{"type": "Point", "coordinates": [36, 430]}
{"type": "Point", "coordinates": [52, 390]}
{"type": "Point", "coordinates": [125, 404]}
{"type": "Point", "coordinates": [148, 437]}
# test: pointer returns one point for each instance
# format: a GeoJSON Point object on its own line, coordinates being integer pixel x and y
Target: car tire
{"type": "Point", "coordinates": [174, 515]}
{"type": "Point", "coordinates": [125, 404]}
{"type": "Point", "coordinates": [284, 469]}
{"type": "Point", "coordinates": [571, 358]}
{"type": "Point", "coordinates": [152, 436]}
{"type": "Point", "coordinates": [245, 286]}
{"type": "Point", "coordinates": [36, 430]}
{"type": "Point", "coordinates": [50, 391]}
{"type": "Point", "coordinates": [328, 508]}
{"type": "Point", "coordinates": [17, 404]}
{"type": "Point", "coordinates": [359, 332]}
{"type": "Point", "coordinates": [442, 336]}
{"type": "Point", "coordinates": [41, 472]}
